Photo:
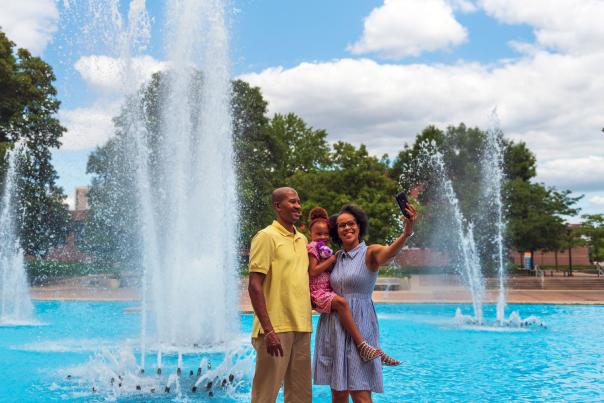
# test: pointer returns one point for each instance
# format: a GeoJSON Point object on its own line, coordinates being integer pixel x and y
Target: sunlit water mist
{"type": "Point", "coordinates": [493, 178]}
{"type": "Point", "coordinates": [183, 175]}
{"type": "Point", "coordinates": [469, 262]}
{"type": "Point", "coordinates": [470, 269]}
{"type": "Point", "coordinates": [186, 207]}
{"type": "Point", "coordinates": [192, 287]}
{"type": "Point", "coordinates": [15, 301]}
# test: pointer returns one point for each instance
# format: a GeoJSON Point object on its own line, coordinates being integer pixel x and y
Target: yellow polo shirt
{"type": "Point", "coordinates": [282, 256]}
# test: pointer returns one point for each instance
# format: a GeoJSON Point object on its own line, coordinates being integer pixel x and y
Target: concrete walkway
{"type": "Point", "coordinates": [424, 294]}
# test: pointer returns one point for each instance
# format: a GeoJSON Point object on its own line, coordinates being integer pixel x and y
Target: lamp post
{"type": "Point", "coordinates": [569, 231]}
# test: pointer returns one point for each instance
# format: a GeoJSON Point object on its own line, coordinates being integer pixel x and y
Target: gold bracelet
{"type": "Point", "coordinates": [272, 331]}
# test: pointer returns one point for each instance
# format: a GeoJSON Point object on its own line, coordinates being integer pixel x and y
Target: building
{"type": "Point", "coordinates": [579, 256]}
{"type": "Point", "coordinates": [81, 198]}
{"type": "Point", "coordinates": [69, 252]}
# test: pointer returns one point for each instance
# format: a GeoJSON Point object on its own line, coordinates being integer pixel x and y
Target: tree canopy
{"type": "Point", "coordinates": [534, 213]}
{"type": "Point", "coordinates": [593, 229]}
{"type": "Point", "coordinates": [28, 109]}
{"type": "Point", "coordinates": [283, 150]}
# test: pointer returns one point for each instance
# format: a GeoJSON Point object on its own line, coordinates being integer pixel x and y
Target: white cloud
{"type": "Point", "coordinates": [465, 6]}
{"type": "Point", "coordinates": [93, 125]}
{"type": "Point", "coordinates": [402, 28]}
{"type": "Point", "coordinates": [580, 174]}
{"type": "Point", "coordinates": [29, 23]}
{"type": "Point", "coordinates": [597, 200]}
{"type": "Point", "coordinates": [572, 26]}
{"type": "Point", "coordinates": [550, 101]}
{"type": "Point", "coordinates": [110, 74]}
{"type": "Point", "coordinates": [70, 200]}
{"type": "Point", "coordinates": [88, 127]}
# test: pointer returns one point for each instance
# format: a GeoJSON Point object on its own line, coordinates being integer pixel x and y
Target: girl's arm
{"type": "Point", "coordinates": [378, 255]}
{"type": "Point", "coordinates": [315, 267]}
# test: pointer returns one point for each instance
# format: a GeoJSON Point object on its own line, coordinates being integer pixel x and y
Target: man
{"type": "Point", "coordinates": [280, 295]}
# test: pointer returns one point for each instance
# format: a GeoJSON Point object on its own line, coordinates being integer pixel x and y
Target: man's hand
{"type": "Point", "coordinates": [273, 344]}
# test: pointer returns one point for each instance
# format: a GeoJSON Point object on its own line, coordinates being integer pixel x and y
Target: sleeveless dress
{"type": "Point", "coordinates": [337, 362]}
{"type": "Point", "coordinates": [321, 293]}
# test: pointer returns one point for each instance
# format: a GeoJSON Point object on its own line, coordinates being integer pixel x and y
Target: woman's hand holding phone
{"type": "Point", "coordinates": [408, 211]}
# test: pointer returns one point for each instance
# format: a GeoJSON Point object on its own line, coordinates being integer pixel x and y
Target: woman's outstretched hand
{"type": "Point", "coordinates": [410, 220]}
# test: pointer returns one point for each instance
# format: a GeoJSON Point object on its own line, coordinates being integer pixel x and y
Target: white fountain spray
{"type": "Point", "coordinates": [193, 286]}
{"type": "Point", "coordinates": [184, 183]}
{"type": "Point", "coordinates": [15, 301]}
{"type": "Point", "coordinates": [493, 179]}
{"type": "Point", "coordinates": [470, 269]}
{"type": "Point", "coordinates": [186, 201]}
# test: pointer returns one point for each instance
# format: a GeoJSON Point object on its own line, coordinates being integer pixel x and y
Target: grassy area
{"type": "Point", "coordinates": [40, 271]}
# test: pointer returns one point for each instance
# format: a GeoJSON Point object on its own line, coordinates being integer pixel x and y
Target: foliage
{"type": "Point", "coordinates": [534, 212]}
{"type": "Point", "coordinates": [593, 229]}
{"type": "Point", "coordinates": [254, 153]}
{"type": "Point", "coordinates": [285, 151]}
{"type": "Point", "coordinates": [28, 108]}
{"type": "Point", "coordinates": [39, 271]}
{"type": "Point", "coordinates": [354, 177]}
{"type": "Point", "coordinates": [536, 221]}
{"type": "Point", "coordinates": [110, 231]}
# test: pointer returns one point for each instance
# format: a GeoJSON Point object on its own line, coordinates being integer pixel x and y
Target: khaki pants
{"type": "Point", "coordinates": [292, 370]}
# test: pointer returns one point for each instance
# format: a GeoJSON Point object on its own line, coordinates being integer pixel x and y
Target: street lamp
{"type": "Point", "coordinates": [569, 231]}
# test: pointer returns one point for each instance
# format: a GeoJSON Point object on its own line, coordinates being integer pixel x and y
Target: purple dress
{"type": "Point", "coordinates": [337, 362]}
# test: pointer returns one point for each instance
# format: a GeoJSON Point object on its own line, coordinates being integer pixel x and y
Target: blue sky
{"type": "Point", "coordinates": [370, 72]}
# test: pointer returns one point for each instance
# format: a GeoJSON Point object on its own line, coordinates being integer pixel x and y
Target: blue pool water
{"type": "Point", "coordinates": [443, 362]}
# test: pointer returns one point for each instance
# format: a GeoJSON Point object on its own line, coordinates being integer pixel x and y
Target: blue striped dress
{"type": "Point", "coordinates": [336, 361]}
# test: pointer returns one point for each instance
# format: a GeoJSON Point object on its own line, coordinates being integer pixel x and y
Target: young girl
{"type": "Point", "coordinates": [324, 299]}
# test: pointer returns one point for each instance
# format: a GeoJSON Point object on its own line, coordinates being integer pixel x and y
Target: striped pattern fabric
{"type": "Point", "coordinates": [336, 361]}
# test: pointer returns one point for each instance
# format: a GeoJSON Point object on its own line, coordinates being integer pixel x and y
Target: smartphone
{"type": "Point", "coordinates": [401, 199]}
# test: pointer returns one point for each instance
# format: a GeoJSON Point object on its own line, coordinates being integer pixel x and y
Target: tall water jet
{"type": "Point", "coordinates": [492, 182]}
{"type": "Point", "coordinates": [191, 258]}
{"type": "Point", "coordinates": [182, 173]}
{"type": "Point", "coordinates": [173, 148]}
{"type": "Point", "coordinates": [470, 261]}
{"type": "Point", "coordinates": [15, 300]}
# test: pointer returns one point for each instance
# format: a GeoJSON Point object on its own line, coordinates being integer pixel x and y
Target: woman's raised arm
{"type": "Point", "coordinates": [378, 255]}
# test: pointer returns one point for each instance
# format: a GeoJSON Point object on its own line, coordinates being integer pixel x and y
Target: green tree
{"type": "Point", "coordinates": [28, 109]}
{"type": "Point", "coordinates": [354, 177]}
{"type": "Point", "coordinates": [534, 212]}
{"type": "Point", "coordinates": [269, 152]}
{"type": "Point", "coordinates": [593, 229]}
{"type": "Point", "coordinates": [255, 149]}
{"type": "Point", "coordinates": [537, 221]}
{"type": "Point", "coordinates": [299, 147]}
{"type": "Point", "coordinates": [110, 233]}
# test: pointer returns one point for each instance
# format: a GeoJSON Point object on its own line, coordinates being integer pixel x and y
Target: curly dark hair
{"type": "Point", "coordinates": [360, 217]}
{"type": "Point", "coordinates": [317, 214]}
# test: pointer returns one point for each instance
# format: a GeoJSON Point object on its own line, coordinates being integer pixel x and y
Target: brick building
{"type": "Point", "coordinates": [69, 252]}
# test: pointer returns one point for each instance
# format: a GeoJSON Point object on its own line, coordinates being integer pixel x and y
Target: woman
{"type": "Point", "coordinates": [336, 361]}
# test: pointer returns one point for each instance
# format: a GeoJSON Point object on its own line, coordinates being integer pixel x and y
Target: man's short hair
{"type": "Point", "coordinates": [280, 193]}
